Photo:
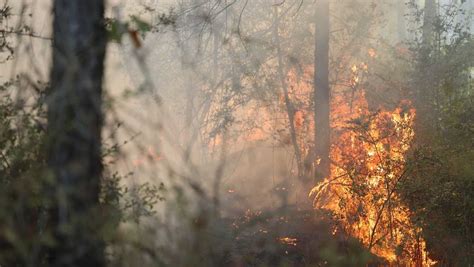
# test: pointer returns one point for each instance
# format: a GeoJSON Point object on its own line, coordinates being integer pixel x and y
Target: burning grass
{"type": "Point", "coordinates": [368, 161]}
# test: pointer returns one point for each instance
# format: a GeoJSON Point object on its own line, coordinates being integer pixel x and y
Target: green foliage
{"type": "Point", "coordinates": [440, 188]}
{"type": "Point", "coordinates": [116, 28]}
{"type": "Point", "coordinates": [22, 178]}
{"type": "Point", "coordinates": [25, 183]}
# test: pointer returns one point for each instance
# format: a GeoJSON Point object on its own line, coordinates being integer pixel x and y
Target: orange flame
{"type": "Point", "coordinates": [368, 162]}
{"type": "Point", "coordinates": [290, 241]}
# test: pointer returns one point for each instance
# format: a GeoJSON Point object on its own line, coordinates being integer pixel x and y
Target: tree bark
{"type": "Point", "coordinates": [425, 84]}
{"type": "Point", "coordinates": [74, 132]}
{"type": "Point", "coordinates": [321, 91]}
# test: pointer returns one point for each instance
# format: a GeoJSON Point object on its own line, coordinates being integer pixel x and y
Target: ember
{"type": "Point", "coordinates": [288, 241]}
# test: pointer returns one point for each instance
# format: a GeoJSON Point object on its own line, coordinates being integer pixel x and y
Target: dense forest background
{"type": "Point", "coordinates": [236, 133]}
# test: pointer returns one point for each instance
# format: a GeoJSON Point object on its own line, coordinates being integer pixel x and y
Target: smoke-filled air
{"type": "Point", "coordinates": [236, 133]}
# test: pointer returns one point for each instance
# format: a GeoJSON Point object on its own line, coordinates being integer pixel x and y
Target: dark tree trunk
{"type": "Point", "coordinates": [74, 132]}
{"type": "Point", "coordinates": [425, 84]}
{"type": "Point", "coordinates": [321, 91]}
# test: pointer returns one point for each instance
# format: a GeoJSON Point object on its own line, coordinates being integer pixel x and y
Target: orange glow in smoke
{"type": "Point", "coordinates": [367, 162]}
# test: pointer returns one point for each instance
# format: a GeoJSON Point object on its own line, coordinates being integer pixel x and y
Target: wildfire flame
{"type": "Point", "coordinates": [288, 241]}
{"type": "Point", "coordinates": [367, 163]}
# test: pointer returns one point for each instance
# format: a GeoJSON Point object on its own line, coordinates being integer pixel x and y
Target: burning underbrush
{"type": "Point", "coordinates": [368, 161]}
{"type": "Point", "coordinates": [263, 217]}
{"type": "Point", "coordinates": [294, 237]}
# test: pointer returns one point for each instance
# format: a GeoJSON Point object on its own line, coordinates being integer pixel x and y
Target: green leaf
{"type": "Point", "coordinates": [142, 26]}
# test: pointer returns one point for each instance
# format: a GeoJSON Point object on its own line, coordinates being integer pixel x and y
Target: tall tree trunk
{"type": "Point", "coordinates": [401, 24]}
{"type": "Point", "coordinates": [74, 131]}
{"type": "Point", "coordinates": [425, 83]}
{"type": "Point", "coordinates": [321, 91]}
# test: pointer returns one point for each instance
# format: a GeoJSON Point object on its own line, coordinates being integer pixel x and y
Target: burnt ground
{"type": "Point", "coordinates": [289, 237]}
